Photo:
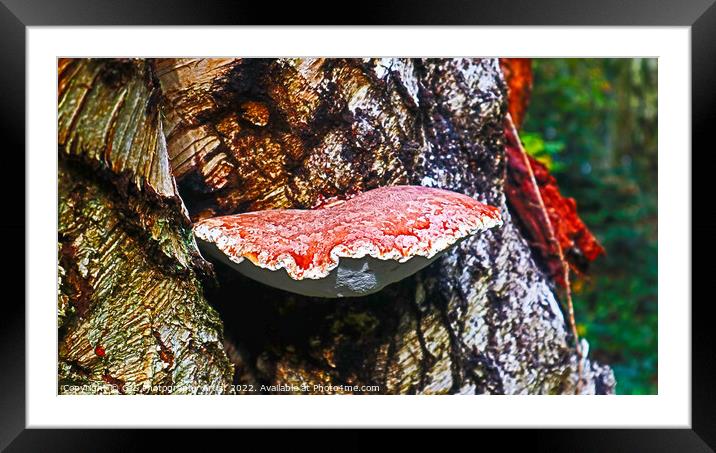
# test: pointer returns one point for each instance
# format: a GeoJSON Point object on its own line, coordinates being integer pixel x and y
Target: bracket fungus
{"type": "Point", "coordinates": [348, 248]}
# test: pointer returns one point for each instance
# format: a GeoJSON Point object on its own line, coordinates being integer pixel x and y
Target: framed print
{"type": "Point", "coordinates": [431, 217]}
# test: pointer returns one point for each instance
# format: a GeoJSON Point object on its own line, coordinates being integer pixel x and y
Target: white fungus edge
{"type": "Point", "coordinates": [286, 261]}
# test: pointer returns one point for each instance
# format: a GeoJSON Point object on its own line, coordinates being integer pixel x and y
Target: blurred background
{"type": "Point", "coordinates": [593, 122]}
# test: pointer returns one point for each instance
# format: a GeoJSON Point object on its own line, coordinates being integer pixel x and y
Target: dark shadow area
{"type": "Point", "coordinates": [274, 326]}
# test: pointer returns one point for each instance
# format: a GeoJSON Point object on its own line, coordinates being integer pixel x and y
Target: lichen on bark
{"type": "Point", "coordinates": [252, 134]}
{"type": "Point", "coordinates": [484, 319]}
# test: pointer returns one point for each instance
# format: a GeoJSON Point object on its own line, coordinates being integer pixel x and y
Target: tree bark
{"type": "Point", "coordinates": [132, 314]}
{"type": "Point", "coordinates": [257, 134]}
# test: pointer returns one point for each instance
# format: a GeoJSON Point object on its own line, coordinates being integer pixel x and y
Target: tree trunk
{"type": "Point", "coordinates": [257, 134]}
{"type": "Point", "coordinates": [132, 314]}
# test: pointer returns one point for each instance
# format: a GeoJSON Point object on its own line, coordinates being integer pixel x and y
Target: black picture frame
{"type": "Point", "coordinates": [16, 15]}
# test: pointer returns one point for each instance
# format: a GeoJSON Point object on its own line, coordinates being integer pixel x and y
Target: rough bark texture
{"type": "Point", "coordinates": [132, 314]}
{"type": "Point", "coordinates": [259, 134]}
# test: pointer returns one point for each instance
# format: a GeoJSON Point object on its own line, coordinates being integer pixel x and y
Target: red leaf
{"type": "Point", "coordinates": [518, 75]}
{"type": "Point", "coordinates": [572, 233]}
{"type": "Point", "coordinates": [549, 220]}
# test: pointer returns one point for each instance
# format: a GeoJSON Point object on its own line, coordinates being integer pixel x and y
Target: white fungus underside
{"type": "Point", "coordinates": [354, 277]}
{"type": "Point", "coordinates": [361, 249]}
{"type": "Point", "coordinates": [352, 272]}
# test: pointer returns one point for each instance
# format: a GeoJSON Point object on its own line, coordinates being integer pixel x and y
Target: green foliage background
{"type": "Point", "coordinates": [594, 123]}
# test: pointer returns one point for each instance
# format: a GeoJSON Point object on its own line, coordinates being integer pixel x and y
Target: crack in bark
{"type": "Point", "coordinates": [339, 127]}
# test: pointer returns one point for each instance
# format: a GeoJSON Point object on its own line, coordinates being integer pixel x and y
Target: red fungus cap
{"type": "Point", "coordinates": [389, 223]}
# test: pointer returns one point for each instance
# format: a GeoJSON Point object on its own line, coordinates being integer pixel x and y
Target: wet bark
{"type": "Point", "coordinates": [255, 134]}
